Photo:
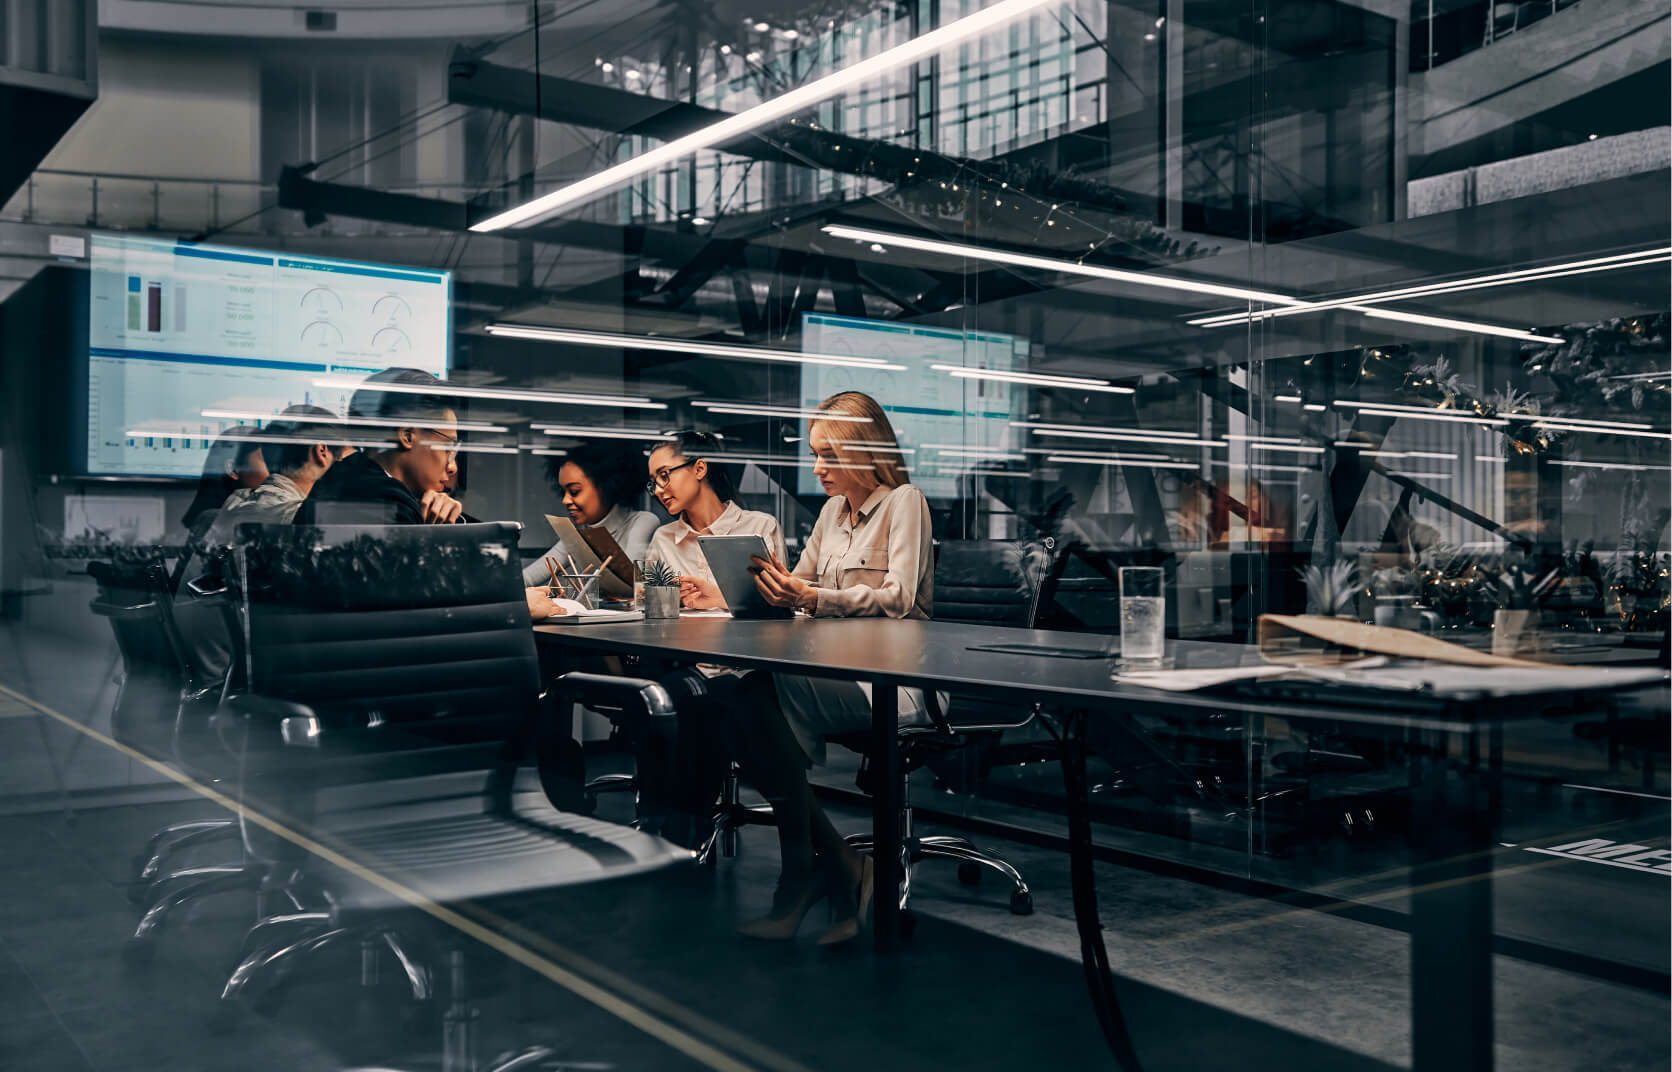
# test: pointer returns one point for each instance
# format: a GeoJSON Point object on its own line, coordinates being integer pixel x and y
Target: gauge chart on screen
{"type": "Point", "coordinates": [942, 420]}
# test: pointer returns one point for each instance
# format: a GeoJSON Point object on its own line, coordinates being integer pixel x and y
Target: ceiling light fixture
{"type": "Point", "coordinates": [983, 455]}
{"type": "Point", "coordinates": [1137, 463]}
{"type": "Point", "coordinates": [685, 346]}
{"type": "Point", "coordinates": [1126, 437]}
{"type": "Point", "coordinates": [648, 435]}
{"type": "Point", "coordinates": [451, 390]}
{"type": "Point", "coordinates": [780, 107]}
{"type": "Point", "coordinates": [1033, 379]}
{"type": "Point", "coordinates": [751, 410]}
{"type": "Point", "coordinates": [1472, 326]}
{"type": "Point", "coordinates": [966, 251]}
{"type": "Point", "coordinates": [368, 422]}
{"type": "Point", "coordinates": [1147, 434]}
{"type": "Point", "coordinates": [1634, 259]}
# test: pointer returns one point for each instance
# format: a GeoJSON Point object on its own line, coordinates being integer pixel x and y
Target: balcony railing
{"type": "Point", "coordinates": [1444, 36]}
{"type": "Point", "coordinates": [177, 205]}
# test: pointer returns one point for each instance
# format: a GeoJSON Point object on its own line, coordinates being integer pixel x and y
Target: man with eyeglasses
{"type": "Point", "coordinates": [406, 481]}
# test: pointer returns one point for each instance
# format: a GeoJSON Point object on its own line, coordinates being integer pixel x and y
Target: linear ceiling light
{"type": "Point", "coordinates": [452, 390]}
{"type": "Point", "coordinates": [1454, 416]}
{"type": "Point", "coordinates": [763, 114]}
{"type": "Point", "coordinates": [1137, 463]}
{"type": "Point", "coordinates": [749, 409]}
{"type": "Point", "coordinates": [1125, 437]}
{"type": "Point", "coordinates": [1472, 326]}
{"type": "Point", "coordinates": [368, 422]}
{"type": "Point", "coordinates": [236, 434]}
{"type": "Point", "coordinates": [1285, 448]}
{"type": "Point", "coordinates": [685, 346]}
{"type": "Point", "coordinates": [1144, 432]}
{"type": "Point", "coordinates": [1634, 259]}
{"type": "Point", "coordinates": [983, 455]}
{"type": "Point", "coordinates": [642, 436]}
{"type": "Point", "coordinates": [1035, 379]}
{"type": "Point", "coordinates": [1051, 264]}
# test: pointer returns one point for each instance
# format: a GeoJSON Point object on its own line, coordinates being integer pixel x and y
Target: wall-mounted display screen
{"type": "Point", "coordinates": [187, 339]}
{"type": "Point", "coordinates": [949, 424]}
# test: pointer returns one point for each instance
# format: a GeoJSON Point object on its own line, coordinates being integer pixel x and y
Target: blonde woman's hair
{"type": "Point", "coordinates": [855, 441]}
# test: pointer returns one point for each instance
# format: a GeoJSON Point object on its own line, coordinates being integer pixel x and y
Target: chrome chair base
{"type": "Point", "coordinates": [148, 864]}
{"type": "Point", "coordinates": [971, 860]}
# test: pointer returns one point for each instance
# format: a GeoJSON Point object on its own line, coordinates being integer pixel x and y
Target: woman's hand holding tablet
{"type": "Point", "coordinates": [781, 588]}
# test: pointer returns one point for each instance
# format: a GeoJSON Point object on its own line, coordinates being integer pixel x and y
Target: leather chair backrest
{"type": "Point", "coordinates": [988, 582]}
{"type": "Point", "coordinates": [380, 625]}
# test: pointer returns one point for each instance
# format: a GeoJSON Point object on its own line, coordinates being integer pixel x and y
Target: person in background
{"type": "Point", "coordinates": [870, 554]}
{"type": "Point", "coordinates": [405, 481]}
{"type": "Point", "coordinates": [597, 481]}
{"type": "Point", "coordinates": [702, 499]}
{"type": "Point", "coordinates": [233, 464]}
{"type": "Point", "coordinates": [311, 445]}
{"type": "Point", "coordinates": [303, 446]}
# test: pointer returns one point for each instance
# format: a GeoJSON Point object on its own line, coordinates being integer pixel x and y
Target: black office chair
{"type": "Point", "coordinates": [640, 707]}
{"type": "Point", "coordinates": [160, 707]}
{"type": "Point", "coordinates": [405, 652]}
{"type": "Point", "coordinates": [977, 582]}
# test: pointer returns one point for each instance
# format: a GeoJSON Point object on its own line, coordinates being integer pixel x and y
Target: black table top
{"type": "Point", "coordinates": [938, 655]}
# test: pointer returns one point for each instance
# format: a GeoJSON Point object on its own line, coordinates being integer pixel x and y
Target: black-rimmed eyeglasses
{"type": "Point", "coordinates": [660, 478]}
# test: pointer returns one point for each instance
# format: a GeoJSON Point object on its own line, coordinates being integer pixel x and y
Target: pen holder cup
{"type": "Point", "coordinates": [661, 602]}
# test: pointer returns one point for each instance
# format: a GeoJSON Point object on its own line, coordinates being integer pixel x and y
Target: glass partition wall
{"type": "Point", "coordinates": [1316, 311]}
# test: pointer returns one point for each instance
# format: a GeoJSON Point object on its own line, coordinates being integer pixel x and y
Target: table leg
{"type": "Point", "coordinates": [1094, 955]}
{"type": "Point", "coordinates": [1451, 912]}
{"type": "Point", "coordinates": [886, 804]}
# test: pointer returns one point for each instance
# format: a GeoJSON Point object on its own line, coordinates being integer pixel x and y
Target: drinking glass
{"type": "Point", "coordinates": [1143, 614]}
{"type": "Point", "coordinates": [638, 583]}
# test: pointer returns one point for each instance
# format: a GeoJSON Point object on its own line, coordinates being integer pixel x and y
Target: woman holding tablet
{"type": "Point", "coordinates": [869, 555]}
{"type": "Point", "coordinates": [702, 499]}
{"type": "Point", "coordinates": [597, 482]}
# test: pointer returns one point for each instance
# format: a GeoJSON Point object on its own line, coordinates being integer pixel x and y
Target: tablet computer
{"type": "Point", "coordinates": [591, 547]}
{"type": "Point", "coordinates": [729, 560]}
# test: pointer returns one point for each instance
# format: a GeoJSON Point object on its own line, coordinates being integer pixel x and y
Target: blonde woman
{"type": "Point", "coordinates": [869, 555]}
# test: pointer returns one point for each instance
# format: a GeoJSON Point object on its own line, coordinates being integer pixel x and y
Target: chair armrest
{"type": "Point", "coordinates": [297, 724]}
{"type": "Point", "coordinates": [206, 586]}
{"type": "Point", "coordinates": [612, 695]}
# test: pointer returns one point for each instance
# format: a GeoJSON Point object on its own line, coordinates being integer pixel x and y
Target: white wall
{"type": "Point", "coordinates": [171, 109]}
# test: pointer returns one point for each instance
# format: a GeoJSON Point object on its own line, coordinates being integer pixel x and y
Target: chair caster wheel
{"type": "Point", "coordinates": [969, 874]}
{"type": "Point", "coordinates": [138, 953]}
{"type": "Point", "coordinates": [1021, 903]}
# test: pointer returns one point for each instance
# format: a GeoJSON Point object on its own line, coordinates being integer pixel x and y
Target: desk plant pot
{"type": "Point", "coordinates": [661, 591]}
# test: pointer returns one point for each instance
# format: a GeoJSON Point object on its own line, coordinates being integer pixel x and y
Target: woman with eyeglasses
{"type": "Point", "coordinates": [869, 555]}
{"type": "Point", "coordinates": [702, 499]}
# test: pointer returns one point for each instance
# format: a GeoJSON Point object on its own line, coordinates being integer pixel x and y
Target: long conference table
{"type": "Point", "coordinates": [1455, 750]}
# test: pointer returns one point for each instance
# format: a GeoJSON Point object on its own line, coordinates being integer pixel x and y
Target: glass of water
{"type": "Point", "coordinates": [1143, 614]}
{"type": "Point", "coordinates": [638, 583]}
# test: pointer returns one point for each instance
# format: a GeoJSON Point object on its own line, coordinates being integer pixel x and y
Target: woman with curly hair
{"type": "Point", "coordinates": [597, 482]}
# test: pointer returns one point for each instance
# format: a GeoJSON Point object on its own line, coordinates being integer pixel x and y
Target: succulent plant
{"type": "Point", "coordinates": [1330, 590]}
{"type": "Point", "coordinates": [658, 574]}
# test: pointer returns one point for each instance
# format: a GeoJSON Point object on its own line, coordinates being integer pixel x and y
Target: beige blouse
{"type": "Point", "coordinates": [676, 542]}
{"type": "Point", "coordinates": [879, 564]}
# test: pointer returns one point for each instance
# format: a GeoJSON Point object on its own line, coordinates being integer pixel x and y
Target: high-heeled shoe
{"type": "Point", "coordinates": [790, 905]}
{"type": "Point", "coordinates": [844, 930]}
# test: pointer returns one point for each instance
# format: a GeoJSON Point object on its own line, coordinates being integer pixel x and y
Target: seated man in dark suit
{"type": "Point", "coordinates": [405, 481]}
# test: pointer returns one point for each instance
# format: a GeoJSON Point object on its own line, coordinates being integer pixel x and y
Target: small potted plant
{"type": "Point", "coordinates": [1516, 602]}
{"type": "Point", "coordinates": [661, 590]}
{"type": "Point", "coordinates": [1332, 590]}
